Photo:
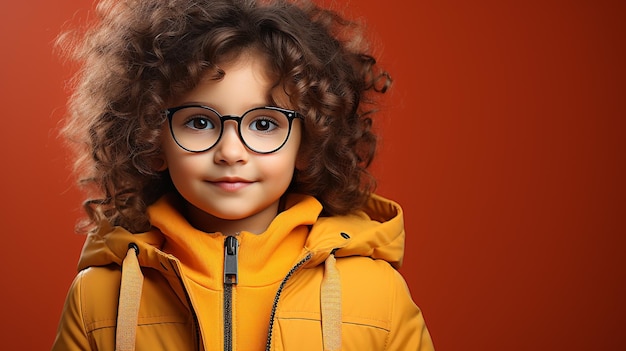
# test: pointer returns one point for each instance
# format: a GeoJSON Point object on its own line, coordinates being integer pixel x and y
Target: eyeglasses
{"type": "Point", "coordinates": [198, 128]}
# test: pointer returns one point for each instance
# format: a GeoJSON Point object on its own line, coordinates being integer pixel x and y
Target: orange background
{"type": "Point", "coordinates": [503, 138]}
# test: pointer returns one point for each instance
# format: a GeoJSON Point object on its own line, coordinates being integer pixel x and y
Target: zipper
{"type": "Point", "coordinates": [291, 272]}
{"type": "Point", "coordinates": [231, 248]}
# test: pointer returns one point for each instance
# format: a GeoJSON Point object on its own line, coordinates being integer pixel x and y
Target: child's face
{"type": "Point", "coordinates": [229, 187]}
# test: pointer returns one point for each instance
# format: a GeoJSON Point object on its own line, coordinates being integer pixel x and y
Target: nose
{"type": "Point", "coordinates": [230, 149]}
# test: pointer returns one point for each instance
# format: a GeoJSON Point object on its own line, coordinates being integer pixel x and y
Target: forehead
{"type": "Point", "coordinates": [247, 78]}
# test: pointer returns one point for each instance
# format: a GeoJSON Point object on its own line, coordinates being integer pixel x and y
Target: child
{"type": "Point", "coordinates": [226, 144]}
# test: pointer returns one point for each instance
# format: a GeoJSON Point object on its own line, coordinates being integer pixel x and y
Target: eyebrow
{"type": "Point", "coordinates": [214, 106]}
{"type": "Point", "coordinates": [269, 102]}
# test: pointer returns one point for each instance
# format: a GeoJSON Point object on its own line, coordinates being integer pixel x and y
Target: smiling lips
{"type": "Point", "coordinates": [231, 184]}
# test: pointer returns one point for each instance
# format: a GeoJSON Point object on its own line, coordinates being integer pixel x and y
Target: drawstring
{"type": "Point", "coordinates": [130, 296]}
{"type": "Point", "coordinates": [331, 306]}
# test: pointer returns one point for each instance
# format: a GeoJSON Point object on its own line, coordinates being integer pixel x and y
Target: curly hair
{"type": "Point", "coordinates": [141, 54]}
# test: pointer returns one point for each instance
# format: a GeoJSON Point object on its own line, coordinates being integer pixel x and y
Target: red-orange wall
{"type": "Point", "coordinates": [503, 138]}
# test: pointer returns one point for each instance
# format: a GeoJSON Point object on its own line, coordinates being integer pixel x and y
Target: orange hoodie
{"type": "Point", "coordinates": [279, 290]}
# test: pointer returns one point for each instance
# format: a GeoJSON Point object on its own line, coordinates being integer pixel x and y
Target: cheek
{"type": "Point", "coordinates": [179, 162]}
{"type": "Point", "coordinates": [279, 167]}
{"type": "Point", "coordinates": [178, 166]}
{"type": "Point", "coordinates": [187, 164]}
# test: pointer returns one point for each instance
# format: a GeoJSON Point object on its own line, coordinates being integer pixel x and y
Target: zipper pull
{"type": "Point", "coordinates": [231, 248]}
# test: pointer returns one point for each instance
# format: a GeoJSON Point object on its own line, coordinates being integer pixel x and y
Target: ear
{"type": "Point", "coordinates": [300, 164]}
{"type": "Point", "coordinates": [302, 160]}
{"type": "Point", "coordinates": [159, 163]}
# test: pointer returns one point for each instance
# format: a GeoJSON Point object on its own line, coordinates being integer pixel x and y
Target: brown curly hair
{"type": "Point", "coordinates": [141, 54]}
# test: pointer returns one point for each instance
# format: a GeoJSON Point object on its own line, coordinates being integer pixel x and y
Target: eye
{"type": "Point", "coordinates": [263, 124]}
{"type": "Point", "coordinates": [199, 122]}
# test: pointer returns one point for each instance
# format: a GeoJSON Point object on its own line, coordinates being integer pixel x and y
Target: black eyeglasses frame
{"type": "Point", "coordinates": [290, 114]}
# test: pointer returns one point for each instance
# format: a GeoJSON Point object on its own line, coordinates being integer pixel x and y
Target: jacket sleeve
{"type": "Point", "coordinates": [408, 329]}
{"type": "Point", "coordinates": [71, 333]}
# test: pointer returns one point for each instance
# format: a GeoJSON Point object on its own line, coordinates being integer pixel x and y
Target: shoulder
{"type": "Point", "coordinates": [376, 294]}
{"type": "Point", "coordinates": [369, 289]}
{"type": "Point", "coordinates": [370, 286]}
{"type": "Point", "coordinates": [90, 312]}
{"type": "Point", "coordinates": [99, 283]}
{"type": "Point", "coordinates": [95, 294]}
{"type": "Point", "coordinates": [96, 291]}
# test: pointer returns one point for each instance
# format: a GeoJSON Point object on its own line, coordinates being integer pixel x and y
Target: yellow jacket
{"type": "Point", "coordinates": [307, 283]}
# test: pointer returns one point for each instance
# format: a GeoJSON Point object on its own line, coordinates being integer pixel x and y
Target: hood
{"type": "Point", "coordinates": [109, 245]}
{"type": "Point", "coordinates": [376, 231]}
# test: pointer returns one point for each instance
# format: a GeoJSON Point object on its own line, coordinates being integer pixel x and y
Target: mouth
{"type": "Point", "coordinates": [230, 184]}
